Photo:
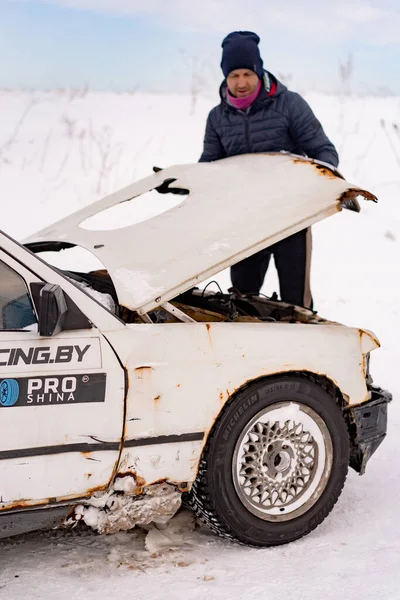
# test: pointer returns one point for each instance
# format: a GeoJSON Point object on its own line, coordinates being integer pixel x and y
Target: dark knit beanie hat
{"type": "Point", "coordinates": [240, 51]}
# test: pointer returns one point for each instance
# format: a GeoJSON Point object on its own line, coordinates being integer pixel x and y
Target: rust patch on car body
{"type": "Point", "coordinates": [22, 504]}
{"type": "Point", "coordinates": [140, 482]}
{"type": "Point", "coordinates": [325, 172]}
{"type": "Point", "coordinates": [158, 481]}
{"type": "Point", "coordinates": [208, 327]}
{"type": "Point", "coordinates": [183, 486]}
{"type": "Point", "coordinates": [348, 199]}
{"type": "Point", "coordinates": [143, 372]}
{"type": "Point", "coordinates": [88, 456]}
{"type": "Point", "coordinates": [27, 504]}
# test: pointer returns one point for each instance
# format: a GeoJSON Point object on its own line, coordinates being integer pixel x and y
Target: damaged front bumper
{"type": "Point", "coordinates": [368, 425]}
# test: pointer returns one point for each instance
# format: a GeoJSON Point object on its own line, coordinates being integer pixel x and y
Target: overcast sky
{"type": "Point", "coordinates": [158, 44]}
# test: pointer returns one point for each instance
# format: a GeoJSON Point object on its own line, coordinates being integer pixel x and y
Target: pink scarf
{"type": "Point", "coordinates": [243, 103]}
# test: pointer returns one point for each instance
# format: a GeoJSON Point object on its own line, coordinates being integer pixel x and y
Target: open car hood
{"type": "Point", "coordinates": [235, 207]}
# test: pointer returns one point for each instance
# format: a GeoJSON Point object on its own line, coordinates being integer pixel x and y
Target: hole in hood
{"type": "Point", "coordinates": [137, 210]}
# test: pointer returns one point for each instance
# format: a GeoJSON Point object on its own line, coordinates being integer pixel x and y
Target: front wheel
{"type": "Point", "coordinates": [275, 462]}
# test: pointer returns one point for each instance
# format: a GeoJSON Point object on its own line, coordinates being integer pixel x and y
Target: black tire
{"type": "Point", "coordinates": [214, 497]}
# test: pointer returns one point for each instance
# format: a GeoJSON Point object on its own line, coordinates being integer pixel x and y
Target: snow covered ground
{"type": "Point", "coordinates": [60, 151]}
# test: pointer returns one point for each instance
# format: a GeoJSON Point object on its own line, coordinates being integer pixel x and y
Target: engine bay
{"type": "Point", "coordinates": [201, 305]}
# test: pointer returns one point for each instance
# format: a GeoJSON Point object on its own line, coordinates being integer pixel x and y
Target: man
{"type": "Point", "coordinates": [257, 113]}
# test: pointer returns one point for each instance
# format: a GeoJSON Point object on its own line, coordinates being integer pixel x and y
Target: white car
{"type": "Point", "coordinates": [127, 390]}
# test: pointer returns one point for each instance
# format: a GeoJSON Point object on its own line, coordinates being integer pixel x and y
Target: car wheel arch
{"type": "Point", "coordinates": [229, 397]}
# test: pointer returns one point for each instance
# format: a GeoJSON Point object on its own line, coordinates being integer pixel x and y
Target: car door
{"type": "Point", "coordinates": [61, 400]}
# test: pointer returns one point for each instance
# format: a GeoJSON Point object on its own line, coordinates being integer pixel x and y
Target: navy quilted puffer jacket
{"type": "Point", "coordinates": [281, 120]}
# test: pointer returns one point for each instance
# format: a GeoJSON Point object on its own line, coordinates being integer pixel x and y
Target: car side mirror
{"type": "Point", "coordinates": [52, 310]}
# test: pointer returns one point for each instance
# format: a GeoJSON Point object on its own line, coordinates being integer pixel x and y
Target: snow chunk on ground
{"type": "Point", "coordinates": [172, 535]}
{"type": "Point", "coordinates": [115, 511]}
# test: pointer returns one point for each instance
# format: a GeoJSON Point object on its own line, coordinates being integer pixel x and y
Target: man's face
{"type": "Point", "coordinates": [242, 82]}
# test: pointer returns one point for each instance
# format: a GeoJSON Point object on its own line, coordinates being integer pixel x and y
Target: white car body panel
{"type": "Point", "coordinates": [181, 375]}
{"type": "Point", "coordinates": [48, 448]}
{"type": "Point", "coordinates": [269, 198]}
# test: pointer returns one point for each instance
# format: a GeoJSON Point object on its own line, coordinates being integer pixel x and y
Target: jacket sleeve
{"type": "Point", "coordinates": [212, 147]}
{"type": "Point", "coordinates": [308, 134]}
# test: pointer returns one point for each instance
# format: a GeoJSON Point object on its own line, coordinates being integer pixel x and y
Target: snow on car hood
{"type": "Point", "coordinates": [236, 207]}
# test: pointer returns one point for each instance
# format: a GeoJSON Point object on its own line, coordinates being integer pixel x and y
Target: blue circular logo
{"type": "Point", "coordinates": [9, 392]}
